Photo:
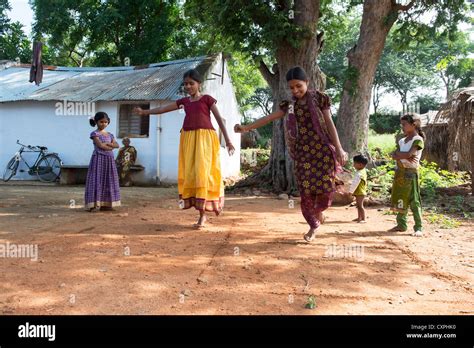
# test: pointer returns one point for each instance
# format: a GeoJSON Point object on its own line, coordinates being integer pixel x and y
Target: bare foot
{"type": "Point", "coordinates": [321, 217]}
{"type": "Point", "coordinates": [356, 220]}
{"type": "Point", "coordinates": [201, 222]}
{"type": "Point", "coordinates": [310, 235]}
{"type": "Point", "coordinates": [396, 229]}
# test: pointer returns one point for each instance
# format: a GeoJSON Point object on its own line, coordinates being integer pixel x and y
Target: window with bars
{"type": "Point", "coordinates": [131, 125]}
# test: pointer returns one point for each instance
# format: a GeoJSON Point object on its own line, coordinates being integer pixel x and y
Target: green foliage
{"type": "Point", "coordinates": [14, 43]}
{"type": "Point", "coordinates": [246, 79]}
{"type": "Point", "coordinates": [382, 178]}
{"type": "Point", "coordinates": [447, 54]}
{"type": "Point", "coordinates": [446, 16]}
{"type": "Point", "coordinates": [426, 102]}
{"type": "Point", "coordinates": [341, 29]}
{"type": "Point", "coordinates": [262, 99]}
{"type": "Point", "coordinates": [381, 145]}
{"type": "Point", "coordinates": [311, 303]}
{"type": "Point", "coordinates": [253, 27]}
{"type": "Point", "coordinates": [403, 71]}
{"type": "Point", "coordinates": [441, 220]}
{"type": "Point", "coordinates": [432, 177]}
{"type": "Point", "coordinates": [4, 20]}
{"type": "Point", "coordinates": [383, 123]}
{"type": "Point", "coordinates": [389, 212]}
{"type": "Point", "coordinates": [104, 33]}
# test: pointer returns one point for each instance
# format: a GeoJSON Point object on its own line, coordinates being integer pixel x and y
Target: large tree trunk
{"type": "Point", "coordinates": [353, 115]}
{"type": "Point", "coordinates": [279, 171]}
{"type": "Point", "coordinates": [472, 164]}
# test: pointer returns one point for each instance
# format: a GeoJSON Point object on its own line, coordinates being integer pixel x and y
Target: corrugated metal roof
{"type": "Point", "coordinates": [152, 82]}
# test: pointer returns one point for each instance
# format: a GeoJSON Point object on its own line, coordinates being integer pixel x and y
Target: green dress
{"type": "Point", "coordinates": [406, 189]}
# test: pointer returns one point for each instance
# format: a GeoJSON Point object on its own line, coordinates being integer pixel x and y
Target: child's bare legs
{"type": "Point", "coordinates": [360, 209]}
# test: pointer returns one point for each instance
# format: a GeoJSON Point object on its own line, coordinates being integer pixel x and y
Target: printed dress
{"type": "Point", "coordinates": [314, 162]}
{"type": "Point", "coordinates": [102, 182]}
{"type": "Point", "coordinates": [313, 154]}
{"type": "Point", "coordinates": [125, 159]}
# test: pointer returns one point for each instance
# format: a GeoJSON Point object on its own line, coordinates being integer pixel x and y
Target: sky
{"type": "Point", "coordinates": [22, 12]}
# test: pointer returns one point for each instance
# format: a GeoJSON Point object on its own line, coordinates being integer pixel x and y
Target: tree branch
{"type": "Point", "coordinates": [400, 7]}
{"type": "Point", "coordinates": [266, 73]}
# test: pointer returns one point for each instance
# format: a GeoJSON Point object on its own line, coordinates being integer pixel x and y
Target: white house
{"type": "Point", "coordinates": [55, 114]}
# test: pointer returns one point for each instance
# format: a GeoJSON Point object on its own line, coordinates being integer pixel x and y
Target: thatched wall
{"type": "Point", "coordinates": [436, 145]}
{"type": "Point", "coordinates": [450, 135]}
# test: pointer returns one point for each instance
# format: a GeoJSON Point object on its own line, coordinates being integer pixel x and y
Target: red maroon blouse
{"type": "Point", "coordinates": [198, 113]}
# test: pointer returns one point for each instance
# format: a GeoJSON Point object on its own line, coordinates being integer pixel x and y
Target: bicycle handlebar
{"type": "Point", "coordinates": [30, 147]}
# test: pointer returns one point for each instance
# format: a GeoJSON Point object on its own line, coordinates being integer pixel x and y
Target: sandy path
{"type": "Point", "coordinates": [146, 259]}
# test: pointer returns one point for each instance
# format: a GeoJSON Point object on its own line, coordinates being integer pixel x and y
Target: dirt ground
{"type": "Point", "coordinates": [145, 258]}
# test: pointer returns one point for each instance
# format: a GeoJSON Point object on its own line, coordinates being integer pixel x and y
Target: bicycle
{"type": "Point", "coordinates": [47, 165]}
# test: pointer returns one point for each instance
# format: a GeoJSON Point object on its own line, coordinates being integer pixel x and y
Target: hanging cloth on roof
{"type": "Point", "coordinates": [36, 71]}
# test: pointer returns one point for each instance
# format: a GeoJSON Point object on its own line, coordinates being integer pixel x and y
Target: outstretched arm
{"type": "Point", "coordinates": [217, 115]}
{"type": "Point", "coordinates": [166, 107]}
{"type": "Point", "coordinates": [260, 122]}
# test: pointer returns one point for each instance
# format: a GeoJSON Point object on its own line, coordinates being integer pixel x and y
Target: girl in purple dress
{"type": "Point", "coordinates": [313, 144]}
{"type": "Point", "coordinates": [102, 183]}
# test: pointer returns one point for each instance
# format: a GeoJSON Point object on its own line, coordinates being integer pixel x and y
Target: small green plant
{"type": "Point", "coordinates": [311, 304]}
{"type": "Point", "coordinates": [459, 202]}
{"type": "Point", "coordinates": [389, 212]}
{"type": "Point", "coordinates": [443, 221]}
{"type": "Point", "coordinates": [468, 214]}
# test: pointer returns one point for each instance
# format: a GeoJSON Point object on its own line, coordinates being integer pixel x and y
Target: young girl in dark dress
{"type": "Point", "coordinates": [313, 144]}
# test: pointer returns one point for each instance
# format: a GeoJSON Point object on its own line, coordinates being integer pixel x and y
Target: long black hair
{"type": "Point", "coordinates": [193, 74]}
{"type": "Point", "coordinates": [296, 73]}
{"type": "Point", "coordinates": [98, 116]}
{"type": "Point", "coordinates": [415, 120]}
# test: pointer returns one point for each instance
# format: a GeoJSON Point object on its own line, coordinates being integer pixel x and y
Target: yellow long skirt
{"type": "Point", "coordinates": [199, 171]}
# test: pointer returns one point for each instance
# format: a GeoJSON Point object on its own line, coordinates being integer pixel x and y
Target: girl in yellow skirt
{"type": "Point", "coordinates": [199, 170]}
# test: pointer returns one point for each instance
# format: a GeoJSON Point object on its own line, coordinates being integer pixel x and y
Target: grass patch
{"type": "Point", "coordinates": [381, 145]}
{"type": "Point", "coordinates": [441, 220]}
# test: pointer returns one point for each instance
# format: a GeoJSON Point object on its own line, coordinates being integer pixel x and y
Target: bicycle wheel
{"type": "Point", "coordinates": [11, 168]}
{"type": "Point", "coordinates": [48, 168]}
